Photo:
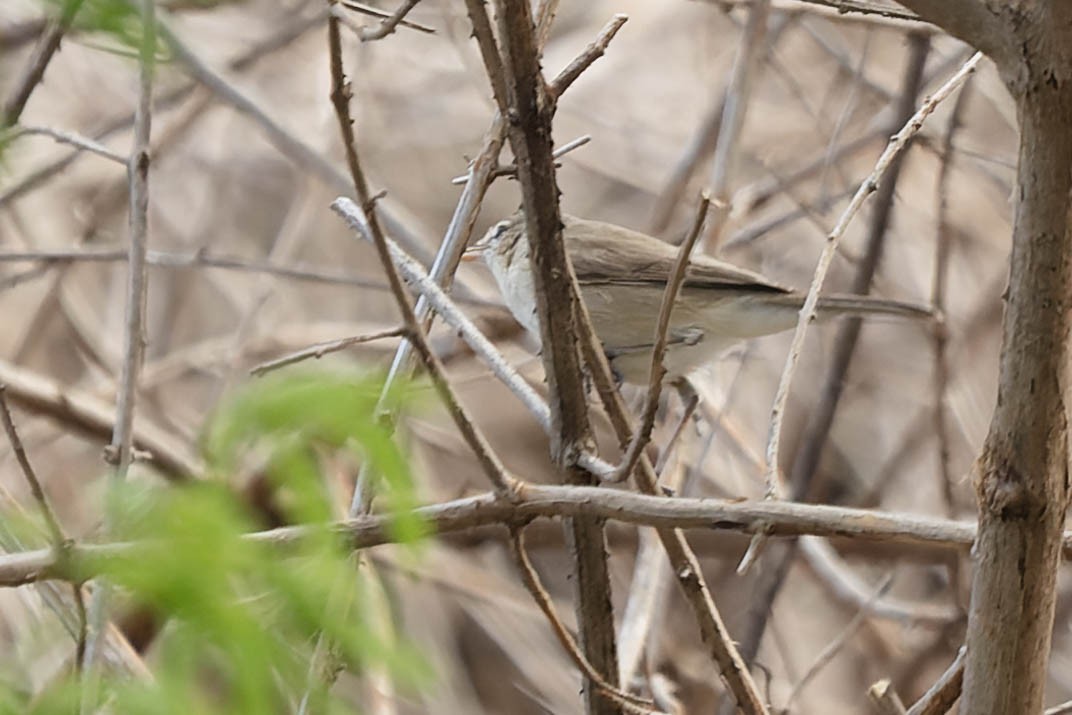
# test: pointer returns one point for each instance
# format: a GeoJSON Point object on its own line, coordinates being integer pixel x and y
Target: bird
{"type": "Point", "coordinates": [623, 274]}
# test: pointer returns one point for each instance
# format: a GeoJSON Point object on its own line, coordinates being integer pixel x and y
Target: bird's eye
{"type": "Point", "coordinates": [498, 229]}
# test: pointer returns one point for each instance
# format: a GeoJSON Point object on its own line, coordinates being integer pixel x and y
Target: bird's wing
{"type": "Point", "coordinates": [631, 257]}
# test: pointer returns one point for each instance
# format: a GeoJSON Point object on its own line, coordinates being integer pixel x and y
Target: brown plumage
{"type": "Point", "coordinates": [623, 274]}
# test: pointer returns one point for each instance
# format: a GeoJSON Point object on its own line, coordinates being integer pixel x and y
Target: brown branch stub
{"type": "Point", "coordinates": [593, 52]}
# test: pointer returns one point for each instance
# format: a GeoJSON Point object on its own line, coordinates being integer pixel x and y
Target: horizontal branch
{"type": "Point", "coordinates": [543, 501]}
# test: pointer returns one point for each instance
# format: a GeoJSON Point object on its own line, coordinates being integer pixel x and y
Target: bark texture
{"type": "Point", "coordinates": [1021, 477]}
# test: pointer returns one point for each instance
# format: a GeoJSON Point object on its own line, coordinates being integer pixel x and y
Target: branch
{"type": "Point", "coordinates": [534, 501]}
{"type": "Point", "coordinates": [543, 601]}
{"type": "Point", "coordinates": [326, 348]}
{"type": "Point", "coordinates": [657, 372]}
{"type": "Point", "coordinates": [389, 22]}
{"type": "Point", "coordinates": [137, 272]}
{"type": "Point", "coordinates": [807, 313]}
{"type": "Point", "coordinates": [357, 220]}
{"type": "Point", "coordinates": [941, 696]}
{"type": "Point", "coordinates": [528, 106]}
{"type": "Point", "coordinates": [437, 299]}
{"type": "Point", "coordinates": [35, 68]}
{"type": "Point", "coordinates": [64, 137]}
{"type": "Point", "coordinates": [92, 416]}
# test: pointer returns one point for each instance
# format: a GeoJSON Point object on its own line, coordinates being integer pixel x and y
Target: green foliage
{"type": "Point", "coordinates": [292, 418]}
{"type": "Point", "coordinates": [243, 615]}
{"type": "Point", "coordinates": [118, 20]}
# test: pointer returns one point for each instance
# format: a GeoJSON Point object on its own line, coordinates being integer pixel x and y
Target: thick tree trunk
{"type": "Point", "coordinates": [1022, 474]}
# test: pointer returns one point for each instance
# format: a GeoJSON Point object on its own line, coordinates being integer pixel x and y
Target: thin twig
{"type": "Point", "coordinates": [121, 450]}
{"type": "Point", "coordinates": [390, 22]}
{"type": "Point", "coordinates": [941, 696]}
{"type": "Point", "coordinates": [489, 461]}
{"type": "Point", "coordinates": [65, 137]}
{"type": "Point", "coordinates": [686, 567]}
{"type": "Point", "coordinates": [657, 373]}
{"type": "Point", "coordinates": [833, 647]}
{"type": "Point", "coordinates": [543, 600]}
{"type": "Point", "coordinates": [821, 418]}
{"type": "Point", "coordinates": [511, 169]}
{"type": "Point", "coordinates": [459, 230]}
{"type": "Point", "coordinates": [596, 49]}
{"type": "Point", "coordinates": [377, 12]}
{"type": "Point", "coordinates": [137, 273]}
{"type": "Point", "coordinates": [940, 335]}
{"type": "Point", "coordinates": [808, 312]}
{"type": "Point", "coordinates": [35, 68]}
{"type": "Point", "coordinates": [60, 542]}
{"type": "Point", "coordinates": [54, 529]}
{"type": "Point", "coordinates": [321, 349]}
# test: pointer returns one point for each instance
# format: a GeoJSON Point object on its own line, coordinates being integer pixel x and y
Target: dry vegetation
{"type": "Point", "coordinates": [247, 263]}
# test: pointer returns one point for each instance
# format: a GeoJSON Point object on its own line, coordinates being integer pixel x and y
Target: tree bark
{"type": "Point", "coordinates": [1022, 474]}
{"type": "Point", "coordinates": [1021, 477]}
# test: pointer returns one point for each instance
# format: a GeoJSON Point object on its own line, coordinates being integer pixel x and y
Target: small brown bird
{"type": "Point", "coordinates": [623, 274]}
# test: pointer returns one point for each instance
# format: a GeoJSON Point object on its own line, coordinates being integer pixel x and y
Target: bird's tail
{"type": "Point", "coordinates": [859, 305]}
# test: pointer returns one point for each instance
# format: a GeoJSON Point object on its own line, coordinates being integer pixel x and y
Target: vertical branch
{"type": "Point", "coordinates": [121, 450]}
{"type": "Point", "coordinates": [137, 275]}
{"type": "Point", "coordinates": [528, 105]}
{"type": "Point", "coordinates": [529, 112]}
{"type": "Point", "coordinates": [1021, 477]}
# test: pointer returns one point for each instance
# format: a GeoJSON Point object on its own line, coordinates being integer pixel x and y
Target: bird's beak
{"type": "Point", "coordinates": [474, 252]}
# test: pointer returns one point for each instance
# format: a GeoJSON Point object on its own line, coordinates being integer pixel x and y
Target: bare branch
{"type": "Point", "coordinates": [539, 594]}
{"type": "Point", "coordinates": [65, 137]}
{"type": "Point", "coordinates": [555, 501]}
{"type": "Point", "coordinates": [92, 416]}
{"type": "Point", "coordinates": [34, 72]}
{"type": "Point", "coordinates": [657, 374]}
{"type": "Point", "coordinates": [807, 313]}
{"type": "Point", "coordinates": [321, 349]}
{"type": "Point", "coordinates": [54, 529]}
{"type": "Point", "coordinates": [941, 696]}
{"type": "Point", "coordinates": [593, 52]}
{"type": "Point", "coordinates": [390, 21]}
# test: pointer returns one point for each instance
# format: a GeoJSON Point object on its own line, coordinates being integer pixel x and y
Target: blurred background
{"type": "Point", "coordinates": [250, 264]}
